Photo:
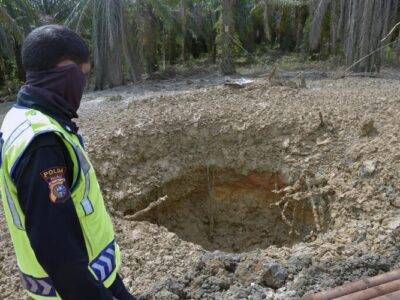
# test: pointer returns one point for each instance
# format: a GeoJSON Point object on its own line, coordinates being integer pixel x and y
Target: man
{"type": "Point", "coordinates": [62, 234]}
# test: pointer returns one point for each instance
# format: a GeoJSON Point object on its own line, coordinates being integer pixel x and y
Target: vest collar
{"type": "Point", "coordinates": [25, 100]}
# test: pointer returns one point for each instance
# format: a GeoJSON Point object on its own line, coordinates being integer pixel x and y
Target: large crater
{"type": "Point", "coordinates": [222, 209]}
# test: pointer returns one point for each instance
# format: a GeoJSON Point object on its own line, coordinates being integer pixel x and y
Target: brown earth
{"type": "Point", "coordinates": [263, 192]}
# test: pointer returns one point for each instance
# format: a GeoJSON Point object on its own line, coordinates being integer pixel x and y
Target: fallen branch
{"type": "Point", "coordinates": [321, 119]}
{"type": "Point", "coordinates": [372, 75]}
{"type": "Point", "coordinates": [272, 74]}
{"type": "Point", "coordinates": [390, 33]}
{"type": "Point", "coordinates": [368, 55]}
{"type": "Point", "coordinates": [139, 214]}
{"type": "Point", "coordinates": [302, 83]}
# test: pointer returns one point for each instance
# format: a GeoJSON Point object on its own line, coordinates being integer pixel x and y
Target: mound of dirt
{"type": "Point", "coordinates": [263, 192]}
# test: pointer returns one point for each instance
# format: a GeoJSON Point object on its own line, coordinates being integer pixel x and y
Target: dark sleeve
{"type": "Point", "coordinates": [53, 226]}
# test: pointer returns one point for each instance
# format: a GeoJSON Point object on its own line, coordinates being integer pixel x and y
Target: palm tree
{"type": "Point", "coordinates": [227, 32]}
{"type": "Point", "coordinates": [360, 37]}
{"type": "Point", "coordinates": [52, 11]}
{"type": "Point", "coordinates": [201, 29]}
{"type": "Point", "coordinates": [9, 24]}
{"type": "Point", "coordinates": [184, 6]}
{"type": "Point", "coordinates": [316, 26]}
{"type": "Point", "coordinates": [105, 20]}
{"type": "Point", "coordinates": [16, 17]}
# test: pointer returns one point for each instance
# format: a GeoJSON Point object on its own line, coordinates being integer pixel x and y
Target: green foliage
{"type": "Point", "coordinates": [149, 35]}
{"type": "Point", "coordinates": [391, 56]}
{"type": "Point", "coordinates": [306, 36]}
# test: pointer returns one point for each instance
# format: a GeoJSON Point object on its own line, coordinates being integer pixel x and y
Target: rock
{"type": "Point", "coordinates": [274, 275]}
{"type": "Point", "coordinates": [360, 237]}
{"type": "Point", "coordinates": [165, 295]}
{"type": "Point", "coordinates": [237, 292]}
{"type": "Point", "coordinates": [392, 225]}
{"type": "Point", "coordinates": [116, 97]}
{"type": "Point", "coordinates": [258, 292]}
{"type": "Point", "coordinates": [287, 295]}
{"type": "Point", "coordinates": [212, 263]}
{"type": "Point", "coordinates": [297, 263]}
{"type": "Point", "coordinates": [367, 128]}
{"type": "Point", "coordinates": [286, 143]}
{"type": "Point", "coordinates": [168, 289]}
{"type": "Point", "coordinates": [367, 168]}
{"type": "Point", "coordinates": [322, 141]}
{"type": "Point", "coordinates": [249, 270]}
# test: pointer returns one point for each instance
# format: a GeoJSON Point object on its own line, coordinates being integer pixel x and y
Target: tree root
{"type": "Point", "coordinates": [307, 191]}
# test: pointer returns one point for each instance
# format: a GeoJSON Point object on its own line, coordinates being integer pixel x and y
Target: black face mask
{"type": "Point", "coordinates": [60, 88]}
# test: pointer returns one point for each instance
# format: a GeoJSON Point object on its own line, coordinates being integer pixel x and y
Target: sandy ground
{"type": "Point", "coordinates": [261, 192]}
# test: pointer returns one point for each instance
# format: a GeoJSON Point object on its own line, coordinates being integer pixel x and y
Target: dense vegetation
{"type": "Point", "coordinates": [130, 38]}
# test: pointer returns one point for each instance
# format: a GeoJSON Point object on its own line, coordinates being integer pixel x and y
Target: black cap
{"type": "Point", "coordinates": [48, 45]}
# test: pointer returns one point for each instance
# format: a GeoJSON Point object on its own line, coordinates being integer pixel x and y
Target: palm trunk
{"type": "Point", "coordinates": [316, 26]}
{"type": "Point", "coordinates": [131, 54]}
{"type": "Point", "coordinates": [108, 39]}
{"type": "Point", "coordinates": [343, 20]}
{"type": "Point", "coordinates": [301, 15]}
{"type": "Point", "coordinates": [18, 62]}
{"type": "Point", "coordinates": [352, 32]}
{"type": "Point", "coordinates": [172, 51]}
{"type": "Point", "coordinates": [390, 15]}
{"type": "Point", "coordinates": [2, 73]}
{"type": "Point", "coordinates": [214, 46]}
{"type": "Point", "coordinates": [183, 11]}
{"type": "Point", "coordinates": [227, 66]}
{"type": "Point", "coordinates": [150, 46]}
{"type": "Point", "coordinates": [313, 5]}
{"type": "Point", "coordinates": [267, 28]}
{"type": "Point", "coordinates": [334, 26]}
{"type": "Point", "coordinates": [366, 35]}
{"type": "Point", "coordinates": [116, 38]}
{"type": "Point", "coordinates": [140, 34]}
{"type": "Point", "coordinates": [100, 61]}
{"type": "Point", "coordinates": [375, 60]}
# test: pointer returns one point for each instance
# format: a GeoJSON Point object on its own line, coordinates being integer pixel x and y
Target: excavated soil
{"type": "Point", "coordinates": [261, 192]}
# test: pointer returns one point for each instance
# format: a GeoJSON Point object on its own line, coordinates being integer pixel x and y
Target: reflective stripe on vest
{"type": "Point", "coordinates": [17, 132]}
{"type": "Point", "coordinates": [11, 206]}
{"type": "Point", "coordinates": [38, 286]}
{"type": "Point", "coordinates": [86, 204]}
{"type": "Point", "coordinates": [21, 128]}
{"type": "Point", "coordinates": [103, 266]}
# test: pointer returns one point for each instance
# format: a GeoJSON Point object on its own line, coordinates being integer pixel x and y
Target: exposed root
{"type": "Point", "coordinates": [141, 213]}
{"type": "Point", "coordinates": [305, 192]}
{"type": "Point", "coordinates": [210, 186]}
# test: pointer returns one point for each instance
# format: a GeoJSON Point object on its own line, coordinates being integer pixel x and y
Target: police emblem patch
{"type": "Point", "coordinates": [55, 178]}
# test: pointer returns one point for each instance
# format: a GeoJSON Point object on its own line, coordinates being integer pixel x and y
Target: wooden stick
{"type": "Point", "coordinates": [151, 206]}
{"type": "Point", "coordinates": [272, 74]}
{"type": "Point", "coordinates": [390, 33]}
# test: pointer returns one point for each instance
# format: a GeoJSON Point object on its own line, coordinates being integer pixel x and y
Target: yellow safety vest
{"type": "Point", "coordinates": [20, 127]}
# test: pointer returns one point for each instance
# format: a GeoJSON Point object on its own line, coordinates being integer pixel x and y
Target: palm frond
{"type": "Point", "coordinates": [10, 24]}
{"type": "Point", "coordinates": [84, 15]}
{"type": "Point", "coordinates": [79, 13]}
{"type": "Point", "coordinates": [5, 49]}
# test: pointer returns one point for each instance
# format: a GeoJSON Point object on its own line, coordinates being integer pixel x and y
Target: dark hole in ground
{"type": "Point", "coordinates": [221, 209]}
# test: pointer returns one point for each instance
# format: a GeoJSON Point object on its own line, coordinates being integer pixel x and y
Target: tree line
{"type": "Point", "coordinates": [131, 38]}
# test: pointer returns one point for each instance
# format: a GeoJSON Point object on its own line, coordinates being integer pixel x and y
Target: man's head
{"type": "Point", "coordinates": [56, 61]}
{"type": "Point", "coordinates": [51, 46]}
